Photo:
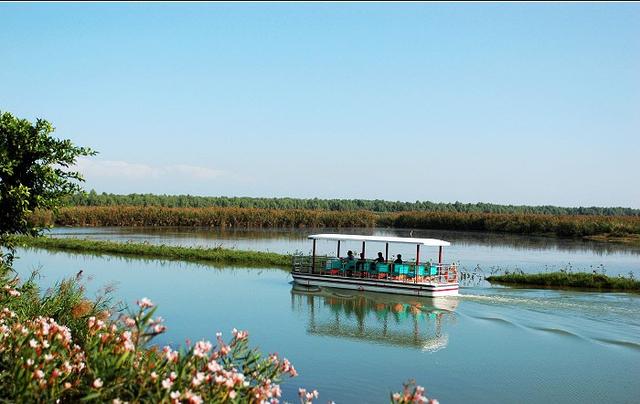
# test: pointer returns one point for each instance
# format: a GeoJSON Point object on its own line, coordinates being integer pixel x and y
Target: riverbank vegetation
{"type": "Point", "coordinates": [201, 217]}
{"type": "Point", "coordinates": [215, 255]}
{"type": "Point", "coordinates": [565, 279]}
{"type": "Point", "coordinates": [557, 225]}
{"type": "Point", "coordinates": [190, 201]}
{"type": "Point", "coordinates": [59, 346]}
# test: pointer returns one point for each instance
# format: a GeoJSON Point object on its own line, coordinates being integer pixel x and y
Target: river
{"type": "Point", "coordinates": [490, 344]}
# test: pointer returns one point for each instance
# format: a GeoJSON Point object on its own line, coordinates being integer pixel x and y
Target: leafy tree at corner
{"type": "Point", "coordinates": [34, 173]}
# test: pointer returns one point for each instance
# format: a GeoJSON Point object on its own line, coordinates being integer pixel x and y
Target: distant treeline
{"type": "Point", "coordinates": [188, 201]}
{"type": "Point", "coordinates": [559, 225]}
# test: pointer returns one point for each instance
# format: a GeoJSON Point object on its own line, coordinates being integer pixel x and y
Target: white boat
{"type": "Point", "coordinates": [413, 278]}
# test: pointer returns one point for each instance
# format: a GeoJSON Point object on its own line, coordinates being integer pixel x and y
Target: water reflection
{"type": "Point", "coordinates": [294, 238]}
{"type": "Point", "coordinates": [378, 318]}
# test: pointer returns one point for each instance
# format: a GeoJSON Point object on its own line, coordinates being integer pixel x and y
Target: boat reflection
{"type": "Point", "coordinates": [377, 318]}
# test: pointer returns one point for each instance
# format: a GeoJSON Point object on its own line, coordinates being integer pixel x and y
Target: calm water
{"type": "Point", "coordinates": [489, 345]}
{"type": "Point", "coordinates": [489, 252]}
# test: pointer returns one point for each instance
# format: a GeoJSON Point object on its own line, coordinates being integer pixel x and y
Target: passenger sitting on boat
{"type": "Point", "coordinates": [398, 260]}
{"type": "Point", "coordinates": [361, 261]}
{"type": "Point", "coordinates": [350, 256]}
{"type": "Point", "coordinates": [380, 258]}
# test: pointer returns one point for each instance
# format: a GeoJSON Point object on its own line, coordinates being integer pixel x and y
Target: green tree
{"type": "Point", "coordinates": [35, 172]}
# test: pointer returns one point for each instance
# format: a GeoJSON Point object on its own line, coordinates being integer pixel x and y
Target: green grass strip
{"type": "Point", "coordinates": [215, 255]}
{"type": "Point", "coordinates": [581, 280]}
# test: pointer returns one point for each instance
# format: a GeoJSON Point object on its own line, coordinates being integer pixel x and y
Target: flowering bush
{"type": "Point", "coordinates": [113, 360]}
{"type": "Point", "coordinates": [412, 393]}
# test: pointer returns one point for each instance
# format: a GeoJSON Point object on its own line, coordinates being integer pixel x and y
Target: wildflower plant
{"type": "Point", "coordinates": [411, 393]}
{"type": "Point", "coordinates": [103, 358]}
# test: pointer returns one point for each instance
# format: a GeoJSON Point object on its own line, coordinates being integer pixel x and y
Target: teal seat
{"type": "Point", "coordinates": [420, 270]}
{"type": "Point", "coordinates": [433, 270]}
{"type": "Point", "coordinates": [333, 264]}
{"type": "Point", "coordinates": [349, 265]}
{"type": "Point", "coordinates": [382, 268]}
{"type": "Point", "coordinates": [400, 269]}
{"type": "Point", "coordinates": [370, 268]}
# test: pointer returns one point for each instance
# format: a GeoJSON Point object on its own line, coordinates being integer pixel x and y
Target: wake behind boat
{"type": "Point", "coordinates": [377, 275]}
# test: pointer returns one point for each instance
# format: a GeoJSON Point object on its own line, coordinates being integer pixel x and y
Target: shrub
{"type": "Point", "coordinates": [106, 359]}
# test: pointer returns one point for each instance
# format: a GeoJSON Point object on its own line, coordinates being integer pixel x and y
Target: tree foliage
{"type": "Point", "coordinates": [35, 172]}
{"type": "Point", "coordinates": [379, 206]}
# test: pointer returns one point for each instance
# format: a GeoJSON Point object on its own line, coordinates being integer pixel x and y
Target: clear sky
{"type": "Point", "coordinates": [505, 103]}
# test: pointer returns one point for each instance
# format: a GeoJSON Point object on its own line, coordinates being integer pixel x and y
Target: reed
{"type": "Point", "coordinates": [617, 228]}
{"type": "Point", "coordinates": [558, 225]}
{"type": "Point", "coordinates": [214, 255]}
{"type": "Point", "coordinates": [201, 217]}
{"type": "Point", "coordinates": [561, 279]}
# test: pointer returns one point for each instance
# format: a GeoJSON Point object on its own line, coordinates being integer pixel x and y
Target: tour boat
{"type": "Point", "coordinates": [414, 278]}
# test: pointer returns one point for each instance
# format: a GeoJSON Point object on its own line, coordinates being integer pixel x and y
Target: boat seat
{"type": "Point", "coordinates": [400, 269]}
{"type": "Point", "coordinates": [349, 265]}
{"type": "Point", "coordinates": [382, 268]}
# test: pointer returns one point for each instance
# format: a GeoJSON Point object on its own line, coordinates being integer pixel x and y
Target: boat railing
{"type": "Point", "coordinates": [409, 272]}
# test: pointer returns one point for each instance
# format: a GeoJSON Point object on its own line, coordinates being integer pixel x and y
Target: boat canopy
{"type": "Point", "coordinates": [431, 242]}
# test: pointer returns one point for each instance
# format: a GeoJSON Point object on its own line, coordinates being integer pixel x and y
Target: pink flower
{"type": "Point", "coordinates": [144, 303]}
{"type": "Point", "coordinates": [38, 374]}
{"type": "Point", "coordinates": [213, 366]}
{"type": "Point", "coordinates": [239, 335]}
{"type": "Point", "coordinates": [195, 399]}
{"type": "Point", "coordinates": [202, 348]}
{"type": "Point", "coordinates": [169, 354]}
{"type": "Point", "coordinates": [232, 394]}
{"type": "Point", "coordinates": [197, 379]}
{"type": "Point", "coordinates": [287, 367]}
{"type": "Point", "coordinates": [97, 383]}
{"type": "Point", "coordinates": [167, 383]}
{"type": "Point", "coordinates": [130, 322]}
{"type": "Point", "coordinates": [175, 395]}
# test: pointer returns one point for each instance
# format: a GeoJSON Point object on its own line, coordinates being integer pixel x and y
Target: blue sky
{"type": "Point", "coordinates": [505, 103]}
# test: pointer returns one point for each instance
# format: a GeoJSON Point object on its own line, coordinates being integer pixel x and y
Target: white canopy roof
{"type": "Point", "coordinates": [431, 242]}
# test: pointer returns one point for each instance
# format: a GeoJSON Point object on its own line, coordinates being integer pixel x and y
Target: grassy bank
{"type": "Point", "coordinates": [214, 255]}
{"type": "Point", "coordinates": [569, 280]}
{"type": "Point", "coordinates": [617, 228]}
{"type": "Point", "coordinates": [632, 239]}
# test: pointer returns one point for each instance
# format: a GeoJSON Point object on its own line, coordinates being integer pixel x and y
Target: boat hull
{"type": "Point", "coordinates": [376, 285]}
